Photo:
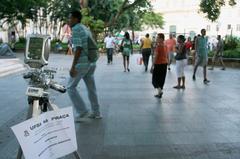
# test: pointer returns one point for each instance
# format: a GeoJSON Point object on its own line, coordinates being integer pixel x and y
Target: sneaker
{"type": "Point", "coordinates": [205, 81]}
{"type": "Point", "coordinates": [194, 78]}
{"type": "Point", "coordinates": [128, 70]}
{"type": "Point", "coordinates": [81, 116]}
{"type": "Point", "coordinates": [94, 116]}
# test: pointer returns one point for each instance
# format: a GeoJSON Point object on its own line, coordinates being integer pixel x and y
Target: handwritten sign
{"type": "Point", "coordinates": [50, 135]}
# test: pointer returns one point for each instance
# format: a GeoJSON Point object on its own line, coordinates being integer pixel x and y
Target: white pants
{"type": "Point", "coordinates": [180, 65]}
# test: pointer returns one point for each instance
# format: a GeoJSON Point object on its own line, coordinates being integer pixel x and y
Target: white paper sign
{"type": "Point", "coordinates": [49, 136]}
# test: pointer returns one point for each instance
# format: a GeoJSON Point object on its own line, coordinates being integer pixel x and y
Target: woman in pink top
{"type": "Point", "coordinates": [170, 43]}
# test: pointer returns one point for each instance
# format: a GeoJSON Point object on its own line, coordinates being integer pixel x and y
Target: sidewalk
{"type": "Point", "coordinates": [10, 66]}
{"type": "Point", "coordinates": [201, 122]}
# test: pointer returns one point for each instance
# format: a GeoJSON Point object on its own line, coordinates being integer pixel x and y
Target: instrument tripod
{"type": "Point", "coordinates": [38, 100]}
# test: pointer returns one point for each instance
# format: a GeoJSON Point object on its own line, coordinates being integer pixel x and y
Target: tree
{"type": "Point", "coordinates": [213, 7]}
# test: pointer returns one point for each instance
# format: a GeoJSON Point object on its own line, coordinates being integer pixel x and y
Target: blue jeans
{"type": "Point", "coordinates": [87, 74]}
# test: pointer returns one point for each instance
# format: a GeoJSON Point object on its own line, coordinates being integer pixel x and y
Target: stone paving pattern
{"type": "Point", "coordinates": [200, 122]}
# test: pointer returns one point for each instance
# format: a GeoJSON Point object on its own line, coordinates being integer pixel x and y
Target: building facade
{"type": "Point", "coordinates": [184, 17]}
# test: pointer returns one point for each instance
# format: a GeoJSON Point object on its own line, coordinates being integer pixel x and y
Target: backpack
{"type": "Point", "coordinates": [93, 54]}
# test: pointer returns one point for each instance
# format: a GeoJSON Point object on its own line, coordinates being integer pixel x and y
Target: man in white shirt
{"type": "Point", "coordinates": [110, 43]}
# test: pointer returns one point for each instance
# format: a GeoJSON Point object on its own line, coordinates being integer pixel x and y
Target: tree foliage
{"type": "Point", "coordinates": [212, 8]}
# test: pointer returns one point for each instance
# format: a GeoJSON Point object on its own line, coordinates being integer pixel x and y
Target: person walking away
{"type": "Point", "coordinates": [159, 67]}
{"type": "Point", "coordinates": [82, 69]}
{"type": "Point", "coordinates": [170, 43]}
{"type": "Point", "coordinates": [202, 55]}
{"type": "Point", "coordinates": [218, 53]}
{"type": "Point", "coordinates": [110, 43]}
{"type": "Point", "coordinates": [146, 47]}
{"type": "Point", "coordinates": [127, 50]}
{"type": "Point", "coordinates": [181, 61]}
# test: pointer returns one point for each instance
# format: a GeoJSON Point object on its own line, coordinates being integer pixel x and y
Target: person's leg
{"type": "Point", "coordinates": [75, 97]}
{"type": "Point", "coordinates": [170, 58]}
{"type": "Point", "coordinates": [194, 57]}
{"type": "Point", "coordinates": [156, 80]}
{"type": "Point", "coordinates": [163, 70]}
{"type": "Point", "coordinates": [183, 82]}
{"type": "Point", "coordinates": [128, 63]}
{"type": "Point", "coordinates": [183, 74]}
{"type": "Point", "coordinates": [198, 62]}
{"type": "Point", "coordinates": [92, 91]}
{"type": "Point", "coordinates": [154, 77]}
{"type": "Point", "coordinates": [144, 57]}
{"type": "Point", "coordinates": [221, 60]}
{"type": "Point", "coordinates": [205, 72]}
{"type": "Point", "coordinates": [111, 55]}
{"type": "Point", "coordinates": [124, 63]}
{"type": "Point", "coordinates": [108, 55]}
{"type": "Point", "coordinates": [178, 72]}
{"type": "Point", "coordinates": [147, 58]}
{"type": "Point", "coordinates": [213, 61]}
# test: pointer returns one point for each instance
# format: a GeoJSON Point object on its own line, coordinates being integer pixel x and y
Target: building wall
{"type": "Point", "coordinates": [185, 16]}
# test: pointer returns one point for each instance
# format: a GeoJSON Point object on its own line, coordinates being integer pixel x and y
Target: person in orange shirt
{"type": "Point", "coordinates": [159, 67]}
{"type": "Point", "coordinates": [170, 43]}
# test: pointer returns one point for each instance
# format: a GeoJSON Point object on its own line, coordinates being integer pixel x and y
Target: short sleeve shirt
{"type": "Point", "coordinates": [170, 43]}
{"type": "Point", "coordinates": [80, 35]}
{"type": "Point", "coordinates": [202, 49]}
{"type": "Point", "coordinates": [109, 41]}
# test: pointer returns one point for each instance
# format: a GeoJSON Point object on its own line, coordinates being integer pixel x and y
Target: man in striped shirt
{"type": "Point", "coordinates": [82, 69]}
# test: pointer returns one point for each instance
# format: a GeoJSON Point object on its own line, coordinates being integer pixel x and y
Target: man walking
{"type": "Point", "coordinates": [202, 55]}
{"type": "Point", "coordinates": [82, 69]}
{"type": "Point", "coordinates": [110, 43]}
{"type": "Point", "coordinates": [219, 53]}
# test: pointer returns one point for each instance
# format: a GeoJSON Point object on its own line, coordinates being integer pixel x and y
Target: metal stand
{"type": "Point", "coordinates": [37, 105]}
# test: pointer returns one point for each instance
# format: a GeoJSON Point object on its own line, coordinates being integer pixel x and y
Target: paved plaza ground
{"type": "Point", "coordinates": [200, 122]}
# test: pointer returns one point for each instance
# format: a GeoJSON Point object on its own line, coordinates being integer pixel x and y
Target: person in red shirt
{"type": "Point", "coordinates": [159, 67]}
{"type": "Point", "coordinates": [188, 46]}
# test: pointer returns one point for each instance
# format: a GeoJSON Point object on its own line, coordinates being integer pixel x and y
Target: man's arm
{"type": "Point", "coordinates": [76, 57]}
{"type": "Point", "coordinates": [196, 45]}
{"type": "Point", "coordinates": [141, 44]}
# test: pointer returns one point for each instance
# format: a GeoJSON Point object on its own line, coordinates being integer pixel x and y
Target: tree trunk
{"type": "Point", "coordinates": [133, 35]}
{"type": "Point", "coordinates": [84, 3]}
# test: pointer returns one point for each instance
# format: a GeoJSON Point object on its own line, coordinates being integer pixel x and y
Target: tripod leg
{"type": "Point", "coordinates": [20, 153]}
{"type": "Point", "coordinates": [77, 156]}
{"type": "Point", "coordinates": [35, 108]}
{"type": "Point", "coordinates": [29, 115]}
{"type": "Point", "coordinates": [52, 106]}
{"type": "Point", "coordinates": [33, 111]}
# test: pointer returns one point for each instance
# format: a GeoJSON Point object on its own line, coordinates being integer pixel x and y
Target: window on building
{"type": "Point", "coordinates": [208, 27]}
{"type": "Point", "coordinates": [229, 26]}
{"type": "Point", "coordinates": [238, 27]}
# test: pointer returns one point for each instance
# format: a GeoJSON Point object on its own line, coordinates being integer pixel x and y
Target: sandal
{"type": "Point", "coordinates": [177, 87]}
